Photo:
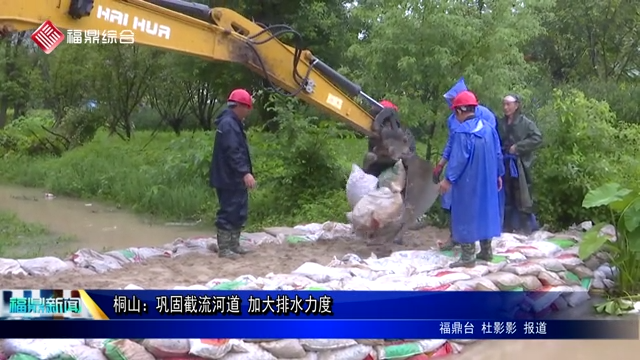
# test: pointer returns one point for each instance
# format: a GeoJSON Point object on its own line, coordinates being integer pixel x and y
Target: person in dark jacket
{"type": "Point", "coordinates": [520, 138]}
{"type": "Point", "coordinates": [231, 173]}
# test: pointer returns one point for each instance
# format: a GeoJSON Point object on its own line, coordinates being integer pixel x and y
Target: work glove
{"type": "Point", "coordinates": [437, 172]}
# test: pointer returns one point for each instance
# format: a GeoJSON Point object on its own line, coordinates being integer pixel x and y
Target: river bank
{"type": "Point", "coordinates": [98, 226]}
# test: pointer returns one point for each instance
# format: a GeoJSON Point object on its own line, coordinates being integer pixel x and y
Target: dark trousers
{"type": "Point", "coordinates": [233, 208]}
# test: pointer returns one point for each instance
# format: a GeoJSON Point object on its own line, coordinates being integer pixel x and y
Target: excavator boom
{"type": "Point", "coordinates": [217, 34]}
{"type": "Point", "coordinates": [220, 34]}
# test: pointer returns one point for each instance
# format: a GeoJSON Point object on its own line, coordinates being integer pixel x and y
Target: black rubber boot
{"type": "Point", "coordinates": [234, 243]}
{"type": "Point", "coordinates": [486, 253]}
{"type": "Point", "coordinates": [225, 243]}
{"type": "Point", "coordinates": [525, 223]}
{"type": "Point", "coordinates": [468, 256]}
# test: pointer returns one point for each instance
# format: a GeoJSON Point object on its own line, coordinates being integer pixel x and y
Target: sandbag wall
{"type": "Point", "coordinates": [224, 349]}
{"type": "Point", "coordinates": [544, 262]}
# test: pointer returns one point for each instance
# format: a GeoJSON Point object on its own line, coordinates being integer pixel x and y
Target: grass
{"type": "Point", "coordinates": [22, 240]}
{"type": "Point", "coordinates": [165, 177]}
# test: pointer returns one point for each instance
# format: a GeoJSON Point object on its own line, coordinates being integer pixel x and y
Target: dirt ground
{"type": "Point", "coordinates": [197, 268]}
{"type": "Point", "coordinates": [101, 228]}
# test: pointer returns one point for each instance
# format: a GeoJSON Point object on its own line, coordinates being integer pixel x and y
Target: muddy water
{"type": "Point", "coordinates": [95, 226]}
{"type": "Point", "coordinates": [100, 227]}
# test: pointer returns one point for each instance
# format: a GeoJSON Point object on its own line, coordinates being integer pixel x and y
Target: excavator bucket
{"type": "Point", "coordinates": [391, 143]}
{"type": "Point", "coordinates": [420, 192]}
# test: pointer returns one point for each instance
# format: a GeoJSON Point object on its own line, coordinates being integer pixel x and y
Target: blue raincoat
{"type": "Point", "coordinates": [474, 166]}
{"type": "Point", "coordinates": [482, 113]}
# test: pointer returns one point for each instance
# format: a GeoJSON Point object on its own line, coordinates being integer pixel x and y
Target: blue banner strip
{"type": "Point", "coordinates": [320, 329]}
{"type": "Point", "coordinates": [410, 305]}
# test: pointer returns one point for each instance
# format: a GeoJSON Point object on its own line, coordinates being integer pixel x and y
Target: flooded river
{"type": "Point", "coordinates": [95, 226]}
{"type": "Point", "coordinates": [98, 227]}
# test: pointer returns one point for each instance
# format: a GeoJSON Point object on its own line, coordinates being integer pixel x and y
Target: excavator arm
{"type": "Point", "coordinates": [217, 34]}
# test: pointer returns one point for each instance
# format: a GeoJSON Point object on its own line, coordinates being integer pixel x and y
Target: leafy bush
{"type": "Point", "coordinates": [585, 147]}
{"type": "Point", "coordinates": [301, 173]}
{"type": "Point", "coordinates": [624, 207]}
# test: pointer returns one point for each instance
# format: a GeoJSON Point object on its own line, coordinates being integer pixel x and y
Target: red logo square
{"type": "Point", "coordinates": [47, 37]}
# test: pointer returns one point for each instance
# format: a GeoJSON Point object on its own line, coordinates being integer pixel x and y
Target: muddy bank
{"type": "Point", "coordinates": [94, 226]}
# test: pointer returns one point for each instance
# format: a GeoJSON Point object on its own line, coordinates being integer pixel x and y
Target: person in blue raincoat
{"type": "Point", "coordinates": [231, 173]}
{"type": "Point", "coordinates": [474, 177]}
{"type": "Point", "coordinates": [452, 123]}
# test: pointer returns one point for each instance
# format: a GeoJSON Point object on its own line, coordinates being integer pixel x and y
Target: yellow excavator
{"type": "Point", "coordinates": [220, 34]}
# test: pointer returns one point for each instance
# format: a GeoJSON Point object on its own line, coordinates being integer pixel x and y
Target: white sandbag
{"type": "Point", "coordinates": [97, 343]}
{"type": "Point", "coordinates": [43, 349]}
{"type": "Point", "coordinates": [549, 264]}
{"type": "Point", "coordinates": [285, 348]}
{"type": "Point", "coordinates": [326, 344]}
{"type": "Point", "coordinates": [321, 274]}
{"type": "Point", "coordinates": [249, 352]}
{"type": "Point", "coordinates": [523, 268]}
{"type": "Point", "coordinates": [505, 281]}
{"type": "Point", "coordinates": [11, 267]}
{"type": "Point", "coordinates": [359, 184]}
{"type": "Point", "coordinates": [530, 282]}
{"type": "Point", "coordinates": [355, 352]}
{"type": "Point", "coordinates": [377, 209]}
{"type": "Point", "coordinates": [394, 178]}
{"type": "Point", "coordinates": [135, 255]}
{"type": "Point", "coordinates": [82, 352]}
{"type": "Point", "coordinates": [212, 348]}
{"type": "Point", "coordinates": [167, 348]}
{"type": "Point", "coordinates": [548, 278]}
{"type": "Point", "coordinates": [569, 261]}
{"type": "Point", "coordinates": [477, 284]}
{"type": "Point", "coordinates": [91, 259]}
{"type": "Point", "coordinates": [547, 249]}
{"type": "Point", "coordinates": [279, 280]}
{"type": "Point", "coordinates": [47, 265]}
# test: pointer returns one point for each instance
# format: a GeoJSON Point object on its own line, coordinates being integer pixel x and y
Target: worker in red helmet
{"type": "Point", "coordinates": [474, 176]}
{"type": "Point", "coordinates": [231, 173]}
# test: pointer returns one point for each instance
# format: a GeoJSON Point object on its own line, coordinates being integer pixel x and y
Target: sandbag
{"type": "Point", "coordinates": [167, 348]}
{"type": "Point", "coordinates": [124, 349]}
{"type": "Point", "coordinates": [42, 266]}
{"type": "Point", "coordinates": [43, 349]}
{"type": "Point", "coordinates": [355, 352]}
{"type": "Point", "coordinates": [285, 348]}
{"type": "Point", "coordinates": [394, 178]}
{"type": "Point", "coordinates": [505, 281]}
{"type": "Point", "coordinates": [403, 351]}
{"type": "Point", "coordinates": [326, 344]}
{"type": "Point", "coordinates": [82, 352]}
{"type": "Point", "coordinates": [249, 352]}
{"type": "Point", "coordinates": [211, 348]}
{"type": "Point", "coordinates": [377, 209]}
{"type": "Point", "coordinates": [359, 184]}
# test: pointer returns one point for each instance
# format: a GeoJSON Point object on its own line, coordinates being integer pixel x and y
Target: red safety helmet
{"type": "Point", "coordinates": [241, 96]}
{"type": "Point", "coordinates": [465, 98]}
{"type": "Point", "coordinates": [388, 104]}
